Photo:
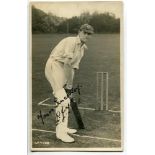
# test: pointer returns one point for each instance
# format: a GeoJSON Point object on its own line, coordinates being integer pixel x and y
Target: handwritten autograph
{"type": "Point", "coordinates": [43, 116]}
{"type": "Point", "coordinates": [77, 89]}
{"type": "Point", "coordinates": [63, 110]}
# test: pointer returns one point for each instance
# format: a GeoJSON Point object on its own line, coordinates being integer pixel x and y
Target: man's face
{"type": "Point", "coordinates": [84, 36]}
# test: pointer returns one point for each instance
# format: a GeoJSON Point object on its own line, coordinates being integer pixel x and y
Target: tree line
{"type": "Point", "coordinates": [49, 23]}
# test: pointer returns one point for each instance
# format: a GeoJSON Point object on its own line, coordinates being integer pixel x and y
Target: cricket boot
{"type": "Point", "coordinates": [62, 109]}
{"type": "Point", "coordinates": [72, 131]}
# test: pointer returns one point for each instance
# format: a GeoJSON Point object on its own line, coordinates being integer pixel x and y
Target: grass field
{"type": "Point", "coordinates": [103, 55]}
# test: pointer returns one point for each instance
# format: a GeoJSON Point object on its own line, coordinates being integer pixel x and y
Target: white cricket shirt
{"type": "Point", "coordinates": [70, 47]}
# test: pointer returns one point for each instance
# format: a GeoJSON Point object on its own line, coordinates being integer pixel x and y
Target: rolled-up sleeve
{"type": "Point", "coordinates": [77, 61]}
{"type": "Point", "coordinates": [69, 48]}
{"type": "Point", "coordinates": [75, 65]}
{"type": "Point", "coordinates": [69, 74]}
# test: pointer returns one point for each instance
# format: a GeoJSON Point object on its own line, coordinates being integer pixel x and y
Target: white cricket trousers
{"type": "Point", "coordinates": [55, 74]}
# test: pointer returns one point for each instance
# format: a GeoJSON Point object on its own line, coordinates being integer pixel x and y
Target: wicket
{"type": "Point", "coordinates": [102, 91]}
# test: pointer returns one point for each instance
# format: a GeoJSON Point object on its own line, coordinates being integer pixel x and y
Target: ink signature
{"type": "Point", "coordinates": [61, 114]}
{"type": "Point", "coordinates": [43, 116]}
{"type": "Point", "coordinates": [77, 89]}
{"type": "Point", "coordinates": [63, 110]}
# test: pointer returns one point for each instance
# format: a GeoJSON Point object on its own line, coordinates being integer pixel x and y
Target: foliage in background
{"type": "Point", "coordinates": [50, 23]}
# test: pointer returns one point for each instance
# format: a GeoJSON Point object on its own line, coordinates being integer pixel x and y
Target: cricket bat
{"type": "Point", "coordinates": [74, 106]}
{"type": "Point", "coordinates": [77, 114]}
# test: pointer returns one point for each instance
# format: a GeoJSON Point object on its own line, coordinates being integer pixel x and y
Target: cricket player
{"type": "Point", "coordinates": [59, 71]}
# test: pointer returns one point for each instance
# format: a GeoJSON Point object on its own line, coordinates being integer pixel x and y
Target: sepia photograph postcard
{"type": "Point", "coordinates": [76, 76]}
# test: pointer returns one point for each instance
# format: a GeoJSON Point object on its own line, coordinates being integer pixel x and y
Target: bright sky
{"type": "Point", "coordinates": [69, 9]}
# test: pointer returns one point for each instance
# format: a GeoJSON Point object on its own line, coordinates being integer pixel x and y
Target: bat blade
{"type": "Point", "coordinates": [77, 114]}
